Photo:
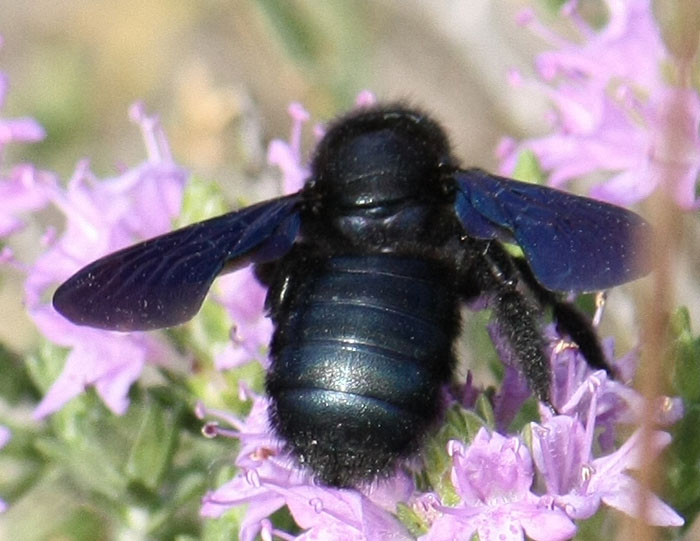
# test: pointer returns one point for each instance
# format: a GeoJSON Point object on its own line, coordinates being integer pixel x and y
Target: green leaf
{"type": "Point", "coordinates": [294, 29]}
{"type": "Point", "coordinates": [686, 350]}
{"type": "Point", "coordinates": [87, 465]}
{"type": "Point", "coordinates": [154, 445]}
{"type": "Point", "coordinates": [528, 168]}
{"type": "Point", "coordinates": [48, 511]}
{"type": "Point", "coordinates": [484, 409]}
{"type": "Point", "coordinates": [460, 424]}
{"type": "Point", "coordinates": [684, 486]}
{"type": "Point", "coordinates": [16, 385]}
{"type": "Point", "coordinates": [529, 412]}
{"type": "Point", "coordinates": [683, 474]}
{"type": "Point", "coordinates": [686, 444]}
{"type": "Point", "coordinates": [202, 199]}
{"type": "Point", "coordinates": [46, 364]}
{"type": "Point", "coordinates": [224, 527]}
{"type": "Point", "coordinates": [413, 522]}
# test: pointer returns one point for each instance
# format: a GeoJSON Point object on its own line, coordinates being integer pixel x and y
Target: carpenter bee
{"type": "Point", "coordinates": [366, 269]}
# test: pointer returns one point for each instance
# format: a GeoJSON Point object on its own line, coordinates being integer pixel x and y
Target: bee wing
{"type": "Point", "coordinates": [162, 281]}
{"type": "Point", "coordinates": [572, 243]}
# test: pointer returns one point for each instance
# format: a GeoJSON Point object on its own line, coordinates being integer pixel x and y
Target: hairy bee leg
{"type": "Point", "coordinates": [515, 315]}
{"type": "Point", "coordinates": [569, 320]}
{"type": "Point", "coordinates": [265, 273]}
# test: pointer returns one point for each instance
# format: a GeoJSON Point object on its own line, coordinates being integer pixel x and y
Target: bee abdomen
{"type": "Point", "coordinates": [359, 356]}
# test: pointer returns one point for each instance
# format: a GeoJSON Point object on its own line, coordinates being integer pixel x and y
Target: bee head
{"type": "Point", "coordinates": [378, 156]}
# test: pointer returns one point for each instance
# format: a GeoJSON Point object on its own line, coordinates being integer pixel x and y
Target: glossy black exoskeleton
{"type": "Point", "coordinates": [367, 267]}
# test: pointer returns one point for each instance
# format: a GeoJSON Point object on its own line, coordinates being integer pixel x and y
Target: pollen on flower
{"type": "Point", "coordinates": [586, 473]}
{"type": "Point", "coordinates": [262, 453]}
{"type": "Point", "coordinates": [563, 345]}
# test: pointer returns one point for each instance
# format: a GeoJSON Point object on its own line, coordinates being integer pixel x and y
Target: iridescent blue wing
{"type": "Point", "coordinates": [162, 281]}
{"type": "Point", "coordinates": [572, 243]}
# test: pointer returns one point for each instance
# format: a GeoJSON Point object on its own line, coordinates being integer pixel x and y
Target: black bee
{"type": "Point", "coordinates": [366, 268]}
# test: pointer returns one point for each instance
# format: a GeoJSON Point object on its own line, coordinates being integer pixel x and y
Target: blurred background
{"type": "Point", "coordinates": [221, 74]}
{"type": "Point", "coordinates": [208, 67]}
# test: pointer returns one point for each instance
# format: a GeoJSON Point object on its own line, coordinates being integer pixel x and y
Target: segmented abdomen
{"type": "Point", "coordinates": [361, 348]}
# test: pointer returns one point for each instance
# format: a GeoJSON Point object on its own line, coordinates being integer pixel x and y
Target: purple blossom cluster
{"type": "Point", "coordinates": [20, 185]}
{"type": "Point", "coordinates": [5, 436]}
{"type": "Point", "coordinates": [252, 330]}
{"type": "Point", "coordinates": [102, 215]}
{"type": "Point", "coordinates": [268, 480]}
{"type": "Point", "coordinates": [507, 487]}
{"type": "Point", "coordinates": [615, 111]}
{"type": "Point", "coordinates": [612, 110]}
{"type": "Point", "coordinates": [569, 469]}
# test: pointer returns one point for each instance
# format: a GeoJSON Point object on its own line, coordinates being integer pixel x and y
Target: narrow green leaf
{"type": "Point", "coordinates": [154, 444]}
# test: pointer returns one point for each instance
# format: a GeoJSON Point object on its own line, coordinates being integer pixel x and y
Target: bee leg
{"type": "Point", "coordinates": [569, 320]}
{"type": "Point", "coordinates": [265, 272]}
{"type": "Point", "coordinates": [495, 275]}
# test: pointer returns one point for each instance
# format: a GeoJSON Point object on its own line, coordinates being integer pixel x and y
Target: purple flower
{"type": "Point", "coordinates": [5, 436]}
{"type": "Point", "coordinates": [492, 474]}
{"type": "Point", "coordinates": [615, 402]}
{"type": "Point", "coordinates": [109, 361]}
{"type": "Point", "coordinates": [21, 130]}
{"type": "Point", "coordinates": [268, 479]}
{"type": "Point", "coordinates": [240, 292]}
{"type": "Point", "coordinates": [614, 110]}
{"type": "Point", "coordinates": [244, 298]}
{"type": "Point", "coordinates": [287, 156]}
{"type": "Point", "coordinates": [579, 482]}
{"type": "Point", "coordinates": [22, 187]}
{"type": "Point", "coordinates": [493, 477]}
{"type": "Point", "coordinates": [103, 215]}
